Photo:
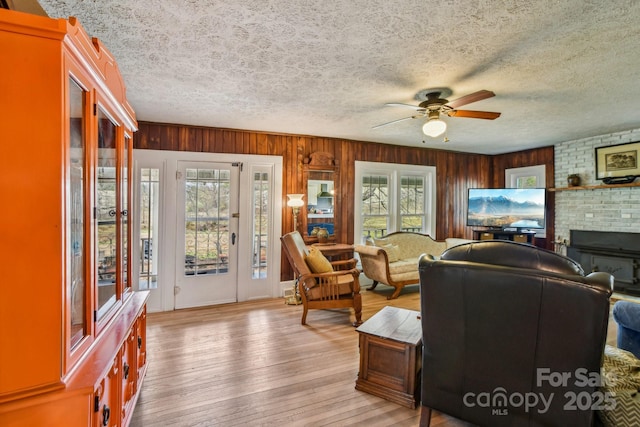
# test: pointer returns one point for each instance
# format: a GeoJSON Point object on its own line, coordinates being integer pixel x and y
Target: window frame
{"type": "Point", "coordinates": [395, 172]}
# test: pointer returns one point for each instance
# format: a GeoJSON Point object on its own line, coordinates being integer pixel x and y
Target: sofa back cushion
{"type": "Point", "coordinates": [411, 245]}
{"type": "Point", "coordinates": [513, 254]}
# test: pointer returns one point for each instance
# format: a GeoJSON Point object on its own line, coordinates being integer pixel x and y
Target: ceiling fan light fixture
{"type": "Point", "coordinates": [434, 127]}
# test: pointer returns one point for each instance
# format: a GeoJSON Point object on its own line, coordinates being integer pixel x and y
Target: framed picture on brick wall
{"type": "Point", "coordinates": [618, 163]}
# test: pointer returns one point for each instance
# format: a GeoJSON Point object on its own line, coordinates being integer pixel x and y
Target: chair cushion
{"type": "Point", "coordinates": [621, 377]}
{"type": "Point", "coordinates": [317, 262]}
{"type": "Point", "coordinates": [345, 287]}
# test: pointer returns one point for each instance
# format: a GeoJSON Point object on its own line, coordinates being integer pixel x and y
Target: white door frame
{"type": "Point", "coordinates": [248, 287]}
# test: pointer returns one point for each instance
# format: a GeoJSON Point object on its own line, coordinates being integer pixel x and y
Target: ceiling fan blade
{"type": "Point", "coordinates": [488, 115]}
{"type": "Point", "coordinates": [468, 99]}
{"type": "Point", "coordinates": [396, 121]}
{"type": "Point", "coordinates": [398, 104]}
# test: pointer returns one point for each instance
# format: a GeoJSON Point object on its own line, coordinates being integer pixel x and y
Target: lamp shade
{"type": "Point", "coordinates": [295, 200]}
{"type": "Point", "coordinates": [434, 127]}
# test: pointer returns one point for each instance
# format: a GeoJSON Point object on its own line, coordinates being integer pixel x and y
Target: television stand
{"type": "Point", "coordinates": [514, 236]}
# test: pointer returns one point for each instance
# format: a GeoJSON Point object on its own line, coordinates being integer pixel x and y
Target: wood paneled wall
{"type": "Point", "coordinates": [539, 156]}
{"type": "Point", "coordinates": [456, 172]}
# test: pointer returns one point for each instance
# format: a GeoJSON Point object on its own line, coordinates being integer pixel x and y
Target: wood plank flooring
{"type": "Point", "coordinates": [253, 364]}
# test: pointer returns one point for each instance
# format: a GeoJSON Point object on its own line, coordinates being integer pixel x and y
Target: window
{"type": "Point", "coordinates": [207, 215]}
{"type": "Point", "coordinates": [412, 206]}
{"type": "Point", "coordinates": [374, 196]}
{"type": "Point", "coordinates": [527, 177]}
{"type": "Point", "coordinates": [394, 197]}
{"type": "Point", "coordinates": [149, 210]}
{"type": "Point", "coordinates": [261, 193]}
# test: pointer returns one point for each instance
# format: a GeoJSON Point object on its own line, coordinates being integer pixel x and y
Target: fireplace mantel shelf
{"type": "Point", "coordinates": [595, 187]}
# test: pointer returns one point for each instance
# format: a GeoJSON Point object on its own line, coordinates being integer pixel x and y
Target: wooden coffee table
{"type": "Point", "coordinates": [391, 355]}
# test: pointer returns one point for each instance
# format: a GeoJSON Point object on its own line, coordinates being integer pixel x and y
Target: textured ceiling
{"type": "Point", "coordinates": [561, 69]}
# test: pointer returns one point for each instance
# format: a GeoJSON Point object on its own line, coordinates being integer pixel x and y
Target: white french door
{"type": "Point", "coordinates": [206, 234]}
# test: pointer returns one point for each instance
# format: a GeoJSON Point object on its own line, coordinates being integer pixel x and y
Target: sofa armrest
{"type": "Point", "coordinates": [312, 280]}
{"type": "Point", "coordinates": [601, 280]}
{"type": "Point", "coordinates": [375, 262]}
{"type": "Point", "coordinates": [344, 264]}
{"type": "Point", "coordinates": [369, 250]}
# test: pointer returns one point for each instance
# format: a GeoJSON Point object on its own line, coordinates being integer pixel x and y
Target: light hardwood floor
{"type": "Point", "coordinates": [253, 364]}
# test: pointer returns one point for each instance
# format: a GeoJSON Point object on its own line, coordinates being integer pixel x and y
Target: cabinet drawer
{"type": "Point", "coordinates": [105, 398]}
{"type": "Point", "coordinates": [141, 344]}
{"type": "Point", "coordinates": [129, 373]}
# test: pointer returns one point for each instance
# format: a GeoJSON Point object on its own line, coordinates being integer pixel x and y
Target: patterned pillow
{"type": "Point", "coordinates": [621, 382]}
{"type": "Point", "coordinates": [317, 262]}
{"type": "Point", "coordinates": [393, 252]}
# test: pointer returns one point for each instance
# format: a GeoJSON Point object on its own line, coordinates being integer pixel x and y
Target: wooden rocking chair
{"type": "Point", "coordinates": [336, 289]}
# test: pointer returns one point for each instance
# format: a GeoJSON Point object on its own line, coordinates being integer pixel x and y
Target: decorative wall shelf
{"type": "Point", "coordinates": [595, 187]}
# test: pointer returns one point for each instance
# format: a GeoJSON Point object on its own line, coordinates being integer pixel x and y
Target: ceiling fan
{"type": "Point", "coordinates": [434, 103]}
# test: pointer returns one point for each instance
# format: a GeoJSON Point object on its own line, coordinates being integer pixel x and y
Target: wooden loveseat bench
{"type": "Point", "coordinates": [393, 259]}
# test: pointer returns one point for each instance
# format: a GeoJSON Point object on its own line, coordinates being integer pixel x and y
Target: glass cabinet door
{"type": "Point", "coordinates": [124, 211]}
{"type": "Point", "coordinates": [106, 212]}
{"type": "Point", "coordinates": [76, 216]}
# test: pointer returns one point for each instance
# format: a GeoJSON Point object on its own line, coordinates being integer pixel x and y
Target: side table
{"type": "Point", "coordinates": [335, 251]}
{"type": "Point", "coordinates": [391, 356]}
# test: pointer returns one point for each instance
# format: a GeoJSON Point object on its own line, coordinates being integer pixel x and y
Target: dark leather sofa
{"type": "Point", "coordinates": [513, 335]}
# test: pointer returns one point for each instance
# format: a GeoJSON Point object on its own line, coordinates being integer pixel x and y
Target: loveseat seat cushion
{"type": "Point", "coordinates": [403, 266]}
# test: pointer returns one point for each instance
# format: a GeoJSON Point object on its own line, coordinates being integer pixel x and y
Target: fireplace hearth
{"type": "Point", "coordinates": [617, 253]}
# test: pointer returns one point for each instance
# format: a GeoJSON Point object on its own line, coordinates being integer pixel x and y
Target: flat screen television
{"type": "Point", "coordinates": [507, 208]}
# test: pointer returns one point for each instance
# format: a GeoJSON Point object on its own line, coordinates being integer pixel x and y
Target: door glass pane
{"type": "Point", "coordinates": [412, 203]}
{"type": "Point", "coordinates": [76, 213]}
{"type": "Point", "coordinates": [106, 213]}
{"type": "Point", "coordinates": [149, 210]}
{"type": "Point", "coordinates": [207, 204]}
{"type": "Point", "coordinates": [375, 205]}
{"type": "Point", "coordinates": [124, 218]}
{"type": "Point", "coordinates": [260, 224]}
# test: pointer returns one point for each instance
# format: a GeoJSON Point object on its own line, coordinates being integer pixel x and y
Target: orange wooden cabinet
{"type": "Point", "coordinates": [72, 330]}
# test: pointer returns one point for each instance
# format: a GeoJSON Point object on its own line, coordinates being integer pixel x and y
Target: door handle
{"type": "Point", "coordinates": [233, 238]}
